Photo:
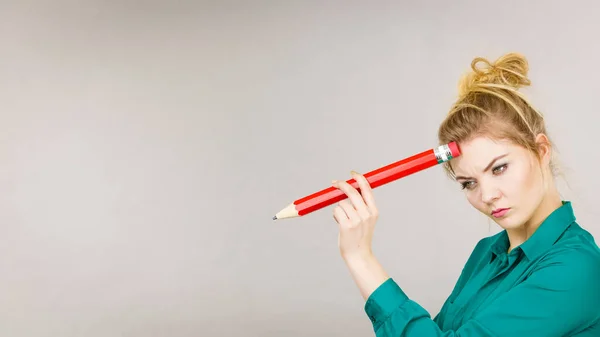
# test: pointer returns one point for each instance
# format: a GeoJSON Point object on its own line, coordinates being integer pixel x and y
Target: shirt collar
{"type": "Point", "coordinates": [543, 238]}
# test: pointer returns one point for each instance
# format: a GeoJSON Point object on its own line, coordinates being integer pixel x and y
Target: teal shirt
{"type": "Point", "coordinates": [548, 286]}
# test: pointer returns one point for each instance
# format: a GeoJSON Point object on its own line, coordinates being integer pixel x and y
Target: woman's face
{"type": "Point", "coordinates": [501, 180]}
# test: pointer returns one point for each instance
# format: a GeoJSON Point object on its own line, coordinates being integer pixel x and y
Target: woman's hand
{"type": "Point", "coordinates": [356, 217]}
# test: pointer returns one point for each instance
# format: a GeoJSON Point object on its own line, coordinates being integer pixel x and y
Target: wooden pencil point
{"type": "Point", "coordinates": [288, 212]}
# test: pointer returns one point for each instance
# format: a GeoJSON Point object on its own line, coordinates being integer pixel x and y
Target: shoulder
{"type": "Point", "coordinates": [572, 263]}
{"type": "Point", "coordinates": [577, 248]}
{"type": "Point", "coordinates": [577, 232]}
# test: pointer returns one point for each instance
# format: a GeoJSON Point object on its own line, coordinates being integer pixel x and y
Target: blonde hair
{"type": "Point", "coordinates": [490, 104]}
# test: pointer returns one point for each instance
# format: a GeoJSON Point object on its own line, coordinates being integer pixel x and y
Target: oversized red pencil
{"type": "Point", "coordinates": [376, 178]}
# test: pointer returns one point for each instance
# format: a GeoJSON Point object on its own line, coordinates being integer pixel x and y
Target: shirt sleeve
{"type": "Point", "coordinates": [560, 297]}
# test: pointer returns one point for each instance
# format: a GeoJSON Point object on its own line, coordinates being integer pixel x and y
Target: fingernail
{"type": "Point", "coordinates": [354, 172]}
{"type": "Point", "coordinates": [334, 181]}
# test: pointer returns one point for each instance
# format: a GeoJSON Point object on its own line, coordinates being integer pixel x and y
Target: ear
{"type": "Point", "coordinates": [545, 148]}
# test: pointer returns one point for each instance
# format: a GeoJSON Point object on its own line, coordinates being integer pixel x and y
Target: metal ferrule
{"type": "Point", "coordinates": [443, 153]}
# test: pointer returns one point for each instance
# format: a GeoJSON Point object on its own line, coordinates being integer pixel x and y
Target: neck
{"type": "Point", "coordinates": [549, 204]}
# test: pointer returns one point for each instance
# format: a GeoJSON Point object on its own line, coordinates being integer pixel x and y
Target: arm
{"type": "Point", "coordinates": [560, 297]}
{"type": "Point", "coordinates": [367, 273]}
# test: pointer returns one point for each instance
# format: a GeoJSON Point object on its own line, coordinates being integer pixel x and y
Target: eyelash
{"type": "Point", "coordinates": [502, 166]}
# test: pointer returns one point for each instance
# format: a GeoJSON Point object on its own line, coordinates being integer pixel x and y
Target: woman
{"type": "Point", "coordinates": [540, 276]}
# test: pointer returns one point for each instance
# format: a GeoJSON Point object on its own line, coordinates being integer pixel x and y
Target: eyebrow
{"type": "Point", "coordinates": [486, 168]}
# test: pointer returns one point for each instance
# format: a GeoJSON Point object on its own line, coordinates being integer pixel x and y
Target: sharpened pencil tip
{"type": "Point", "coordinates": [275, 217]}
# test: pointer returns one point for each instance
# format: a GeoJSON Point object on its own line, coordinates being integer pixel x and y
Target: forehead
{"type": "Point", "coordinates": [478, 152]}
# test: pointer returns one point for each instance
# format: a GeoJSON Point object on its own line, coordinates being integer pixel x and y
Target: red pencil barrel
{"type": "Point", "coordinates": [375, 178]}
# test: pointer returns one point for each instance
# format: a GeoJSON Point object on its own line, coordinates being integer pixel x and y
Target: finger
{"type": "Point", "coordinates": [353, 196]}
{"type": "Point", "coordinates": [341, 218]}
{"type": "Point", "coordinates": [366, 191]}
{"type": "Point", "coordinates": [351, 212]}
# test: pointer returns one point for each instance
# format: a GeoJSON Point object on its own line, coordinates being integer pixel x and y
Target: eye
{"type": "Point", "coordinates": [467, 185]}
{"type": "Point", "coordinates": [500, 169]}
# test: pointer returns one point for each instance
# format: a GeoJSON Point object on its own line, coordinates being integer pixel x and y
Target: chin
{"type": "Point", "coordinates": [508, 222]}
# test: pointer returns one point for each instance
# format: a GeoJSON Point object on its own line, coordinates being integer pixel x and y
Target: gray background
{"type": "Point", "coordinates": [145, 146]}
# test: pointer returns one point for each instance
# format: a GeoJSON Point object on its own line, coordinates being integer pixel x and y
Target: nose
{"type": "Point", "coordinates": [489, 192]}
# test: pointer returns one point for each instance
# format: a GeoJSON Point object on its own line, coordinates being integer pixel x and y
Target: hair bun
{"type": "Point", "coordinates": [509, 71]}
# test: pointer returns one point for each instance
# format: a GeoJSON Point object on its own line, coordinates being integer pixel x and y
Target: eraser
{"type": "Point", "coordinates": [454, 149]}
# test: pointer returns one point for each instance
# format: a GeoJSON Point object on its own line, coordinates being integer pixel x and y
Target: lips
{"type": "Point", "coordinates": [499, 212]}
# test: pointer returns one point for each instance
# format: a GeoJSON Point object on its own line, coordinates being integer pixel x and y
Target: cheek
{"type": "Point", "coordinates": [521, 179]}
{"type": "Point", "coordinates": [474, 198]}
{"type": "Point", "coordinates": [514, 181]}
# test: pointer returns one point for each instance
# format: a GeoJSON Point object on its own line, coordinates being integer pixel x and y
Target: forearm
{"type": "Point", "coordinates": [367, 272]}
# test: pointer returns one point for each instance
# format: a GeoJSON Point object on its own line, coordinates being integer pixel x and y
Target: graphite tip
{"type": "Point", "coordinates": [275, 217]}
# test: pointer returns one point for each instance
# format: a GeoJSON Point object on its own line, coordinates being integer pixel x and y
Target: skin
{"type": "Point", "coordinates": [493, 174]}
